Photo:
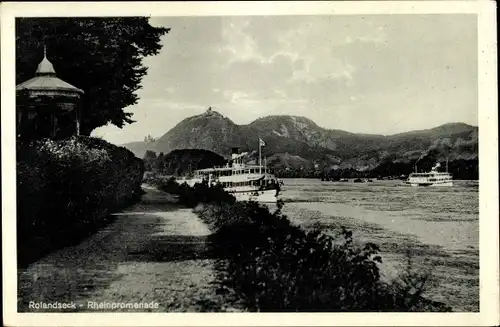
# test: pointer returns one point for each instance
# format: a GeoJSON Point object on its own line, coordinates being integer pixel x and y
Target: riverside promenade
{"type": "Point", "coordinates": [153, 256]}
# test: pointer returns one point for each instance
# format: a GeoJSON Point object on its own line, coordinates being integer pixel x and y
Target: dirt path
{"type": "Point", "coordinates": [154, 252]}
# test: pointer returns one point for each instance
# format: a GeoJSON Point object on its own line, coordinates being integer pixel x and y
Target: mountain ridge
{"type": "Point", "coordinates": [296, 141]}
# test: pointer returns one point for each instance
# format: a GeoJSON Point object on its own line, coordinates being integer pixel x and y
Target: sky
{"type": "Point", "coordinates": [378, 74]}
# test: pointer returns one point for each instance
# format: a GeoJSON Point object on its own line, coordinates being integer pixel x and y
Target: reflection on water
{"type": "Point", "coordinates": [437, 226]}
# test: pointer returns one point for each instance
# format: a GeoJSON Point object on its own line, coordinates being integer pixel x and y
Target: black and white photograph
{"type": "Point", "coordinates": [251, 163]}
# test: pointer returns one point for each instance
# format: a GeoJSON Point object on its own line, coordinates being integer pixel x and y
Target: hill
{"type": "Point", "coordinates": [294, 142]}
{"type": "Point", "coordinates": [209, 131]}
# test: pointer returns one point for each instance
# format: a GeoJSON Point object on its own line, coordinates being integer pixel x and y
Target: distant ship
{"type": "Point", "coordinates": [432, 178]}
{"type": "Point", "coordinates": [244, 182]}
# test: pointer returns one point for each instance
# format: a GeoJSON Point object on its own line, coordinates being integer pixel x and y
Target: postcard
{"type": "Point", "coordinates": [250, 163]}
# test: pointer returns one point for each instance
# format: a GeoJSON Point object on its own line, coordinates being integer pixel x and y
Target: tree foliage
{"type": "Point", "coordinates": [101, 56]}
{"type": "Point", "coordinates": [181, 162]}
{"type": "Point", "coordinates": [149, 159]}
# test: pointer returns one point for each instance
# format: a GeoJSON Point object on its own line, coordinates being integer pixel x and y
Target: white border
{"type": "Point", "coordinates": [488, 146]}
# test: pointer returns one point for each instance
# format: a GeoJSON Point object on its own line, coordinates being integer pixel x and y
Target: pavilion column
{"type": "Point", "coordinates": [20, 118]}
{"type": "Point", "coordinates": [53, 119]}
{"type": "Point", "coordinates": [77, 119]}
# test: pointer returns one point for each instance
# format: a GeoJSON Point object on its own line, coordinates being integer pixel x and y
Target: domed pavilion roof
{"type": "Point", "coordinates": [45, 67]}
{"type": "Point", "coordinates": [46, 82]}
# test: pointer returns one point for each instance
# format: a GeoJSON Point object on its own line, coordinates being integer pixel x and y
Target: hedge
{"type": "Point", "coordinates": [66, 188]}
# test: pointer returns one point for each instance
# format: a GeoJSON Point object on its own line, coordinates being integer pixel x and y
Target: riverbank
{"type": "Point", "coordinates": [155, 251]}
{"type": "Point", "coordinates": [437, 227]}
{"type": "Point", "coordinates": [273, 265]}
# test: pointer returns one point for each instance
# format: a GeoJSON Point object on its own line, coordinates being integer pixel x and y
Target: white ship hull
{"type": "Point", "coordinates": [243, 193]}
{"type": "Point", "coordinates": [265, 196]}
{"type": "Point", "coordinates": [423, 183]}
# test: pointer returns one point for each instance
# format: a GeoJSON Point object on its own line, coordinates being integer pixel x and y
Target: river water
{"type": "Point", "coordinates": [436, 228]}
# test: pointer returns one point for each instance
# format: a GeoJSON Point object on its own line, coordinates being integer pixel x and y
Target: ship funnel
{"type": "Point", "coordinates": [436, 166]}
{"type": "Point", "coordinates": [234, 152]}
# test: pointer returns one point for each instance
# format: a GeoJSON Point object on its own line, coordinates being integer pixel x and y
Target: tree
{"type": "Point", "coordinates": [159, 163]}
{"type": "Point", "coordinates": [149, 159]}
{"type": "Point", "coordinates": [149, 139]}
{"type": "Point", "coordinates": [101, 56]}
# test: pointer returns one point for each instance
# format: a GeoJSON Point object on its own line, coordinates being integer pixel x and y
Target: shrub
{"type": "Point", "coordinates": [276, 266]}
{"type": "Point", "coordinates": [199, 193]}
{"type": "Point", "coordinates": [67, 186]}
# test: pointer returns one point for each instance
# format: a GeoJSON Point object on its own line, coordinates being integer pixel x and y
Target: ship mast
{"type": "Point", "coordinates": [260, 157]}
{"type": "Point", "coordinates": [261, 144]}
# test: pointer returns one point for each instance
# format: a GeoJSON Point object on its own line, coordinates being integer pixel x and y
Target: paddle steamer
{"type": "Point", "coordinates": [244, 182]}
{"type": "Point", "coordinates": [432, 178]}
